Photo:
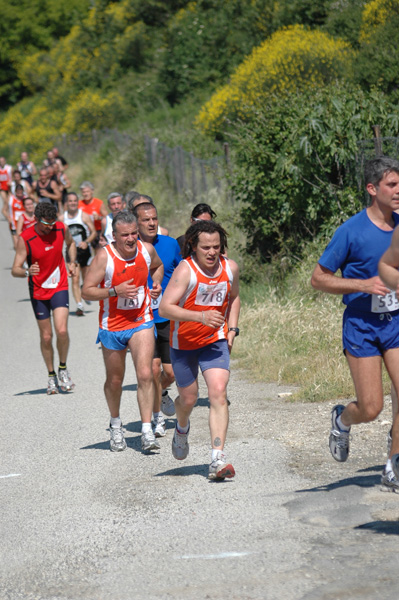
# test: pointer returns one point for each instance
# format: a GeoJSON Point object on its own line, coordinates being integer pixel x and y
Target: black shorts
{"type": "Point", "coordinates": [96, 240]}
{"type": "Point", "coordinates": [82, 256]}
{"type": "Point", "coordinates": [43, 308]}
{"type": "Point", "coordinates": [162, 347]}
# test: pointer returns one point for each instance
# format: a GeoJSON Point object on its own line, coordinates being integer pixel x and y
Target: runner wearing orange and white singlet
{"type": "Point", "coordinates": [95, 208]}
{"type": "Point", "coordinates": [203, 305]}
{"type": "Point", "coordinates": [118, 277]}
{"type": "Point", "coordinates": [27, 219]}
{"type": "Point", "coordinates": [5, 183]}
{"type": "Point", "coordinates": [15, 210]}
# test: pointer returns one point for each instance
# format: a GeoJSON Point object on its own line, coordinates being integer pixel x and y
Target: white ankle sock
{"type": "Point", "coordinates": [145, 427]}
{"type": "Point", "coordinates": [341, 425]}
{"type": "Point", "coordinates": [181, 429]}
{"type": "Point", "coordinates": [116, 422]}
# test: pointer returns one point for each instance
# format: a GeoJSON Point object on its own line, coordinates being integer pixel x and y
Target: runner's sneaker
{"type": "Point", "coordinates": [52, 386]}
{"type": "Point", "coordinates": [389, 482]}
{"type": "Point", "coordinates": [80, 311]}
{"type": "Point", "coordinates": [339, 440]}
{"type": "Point", "coordinates": [389, 442]}
{"type": "Point", "coordinates": [65, 382]}
{"type": "Point", "coordinates": [117, 441]}
{"type": "Point", "coordinates": [219, 469]}
{"type": "Point", "coordinates": [180, 447]}
{"type": "Point", "coordinates": [395, 464]}
{"type": "Point", "coordinates": [167, 405]}
{"type": "Point", "coordinates": [158, 426]}
{"type": "Point", "coordinates": [148, 441]}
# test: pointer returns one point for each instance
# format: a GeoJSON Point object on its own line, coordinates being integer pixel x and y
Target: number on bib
{"type": "Point", "coordinates": [383, 304]}
{"type": "Point", "coordinates": [131, 303]}
{"type": "Point", "coordinates": [211, 295]}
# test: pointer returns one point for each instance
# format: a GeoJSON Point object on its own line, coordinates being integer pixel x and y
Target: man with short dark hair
{"type": "Point", "coordinates": [168, 251]}
{"type": "Point", "coordinates": [118, 278]}
{"type": "Point", "coordinates": [41, 247]}
{"type": "Point", "coordinates": [371, 317]}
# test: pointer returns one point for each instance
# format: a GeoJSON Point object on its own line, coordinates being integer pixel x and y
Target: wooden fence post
{"type": "Point", "coordinates": [377, 140]}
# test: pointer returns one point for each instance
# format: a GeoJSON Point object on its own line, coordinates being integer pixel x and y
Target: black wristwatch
{"type": "Point", "coordinates": [235, 329]}
{"type": "Point", "coordinates": [112, 292]}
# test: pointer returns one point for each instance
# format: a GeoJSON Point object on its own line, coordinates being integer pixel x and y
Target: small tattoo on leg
{"type": "Point", "coordinates": [217, 441]}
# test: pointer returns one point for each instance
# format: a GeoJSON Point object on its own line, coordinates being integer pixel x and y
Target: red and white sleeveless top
{"type": "Point", "coordinates": [118, 314]}
{"type": "Point", "coordinates": [47, 251]}
{"type": "Point", "coordinates": [203, 293]}
{"type": "Point", "coordinates": [5, 177]}
{"type": "Point", "coordinates": [16, 209]}
{"type": "Point", "coordinates": [27, 222]}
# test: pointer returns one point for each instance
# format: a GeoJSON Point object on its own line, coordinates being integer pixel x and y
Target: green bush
{"type": "Point", "coordinates": [295, 174]}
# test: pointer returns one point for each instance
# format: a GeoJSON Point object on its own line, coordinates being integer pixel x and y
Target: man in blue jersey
{"type": "Point", "coordinates": [371, 318]}
{"type": "Point", "coordinates": [169, 252]}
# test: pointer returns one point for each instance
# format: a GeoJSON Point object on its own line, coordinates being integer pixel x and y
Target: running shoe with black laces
{"type": "Point", "coordinates": [52, 385]}
{"type": "Point", "coordinates": [180, 447]}
{"type": "Point", "coordinates": [149, 442]}
{"type": "Point", "coordinates": [339, 440]}
{"type": "Point", "coordinates": [158, 426]}
{"type": "Point", "coordinates": [167, 405]}
{"type": "Point", "coordinates": [220, 469]}
{"type": "Point", "coordinates": [117, 441]}
{"type": "Point", "coordinates": [65, 382]}
{"type": "Point", "coordinates": [389, 482]}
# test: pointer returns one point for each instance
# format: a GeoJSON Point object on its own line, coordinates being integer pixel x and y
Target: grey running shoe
{"type": "Point", "coordinates": [180, 447]}
{"type": "Point", "coordinates": [80, 311]}
{"type": "Point", "coordinates": [52, 385]}
{"type": "Point", "coordinates": [158, 426]}
{"type": "Point", "coordinates": [395, 464]}
{"type": "Point", "coordinates": [389, 442]}
{"type": "Point", "coordinates": [148, 442]}
{"type": "Point", "coordinates": [167, 405]}
{"type": "Point", "coordinates": [117, 441]}
{"type": "Point", "coordinates": [389, 482]}
{"type": "Point", "coordinates": [219, 469]}
{"type": "Point", "coordinates": [65, 382]}
{"type": "Point", "coordinates": [339, 440]}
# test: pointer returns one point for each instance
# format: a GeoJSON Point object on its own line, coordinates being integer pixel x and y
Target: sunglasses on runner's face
{"type": "Point", "coordinates": [48, 224]}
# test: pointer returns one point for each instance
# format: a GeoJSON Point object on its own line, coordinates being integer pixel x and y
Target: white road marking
{"type": "Point", "coordinates": [212, 556]}
{"type": "Point", "coordinates": [10, 475]}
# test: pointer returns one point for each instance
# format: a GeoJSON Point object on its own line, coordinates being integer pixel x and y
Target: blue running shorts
{"type": "Point", "coordinates": [119, 340]}
{"type": "Point", "coordinates": [185, 363]}
{"type": "Point", "coordinates": [369, 334]}
{"type": "Point", "coordinates": [43, 308]}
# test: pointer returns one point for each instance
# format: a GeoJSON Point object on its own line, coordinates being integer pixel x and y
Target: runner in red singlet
{"type": "Point", "coordinates": [203, 305]}
{"type": "Point", "coordinates": [41, 248]}
{"type": "Point", "coordinates": [117, 277]}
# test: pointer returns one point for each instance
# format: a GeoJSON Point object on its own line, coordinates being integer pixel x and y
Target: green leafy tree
{"type": "Point", "coordinates": [296, 174]}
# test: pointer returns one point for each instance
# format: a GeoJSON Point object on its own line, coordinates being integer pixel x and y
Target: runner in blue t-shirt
{"type": "Point", "coordinates": [169, 252]}
{"type": "Point", "coordinates": [371, 318]}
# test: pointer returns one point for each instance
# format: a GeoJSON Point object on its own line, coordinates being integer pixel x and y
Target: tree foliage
{"type": "Point", "coordinates": [295, 170]}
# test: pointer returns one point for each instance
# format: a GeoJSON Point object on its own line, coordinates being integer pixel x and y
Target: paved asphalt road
{"type": "Point", "coordinates": [80, 522]}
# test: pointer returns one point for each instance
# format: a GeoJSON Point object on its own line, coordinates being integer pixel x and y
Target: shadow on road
{"type": "Point", "coordinates": [361, 481]}
{"type": "Point", "coordinates": [385, 527]}
{"type": "Point", "coordinates": [187, 470]}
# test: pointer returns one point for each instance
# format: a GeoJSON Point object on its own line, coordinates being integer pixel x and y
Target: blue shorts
{"type": "Point", "coordinates": [119, 340]}
{"type": "Point", "coordinates": [185, 362]}
{"type": "Point", "coordinates": [369, 334]}
{"type": "Point", "coordinates": [43, 308]}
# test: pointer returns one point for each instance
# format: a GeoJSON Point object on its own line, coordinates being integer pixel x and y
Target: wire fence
{"type": "Point", "coordinates": [188, 176]}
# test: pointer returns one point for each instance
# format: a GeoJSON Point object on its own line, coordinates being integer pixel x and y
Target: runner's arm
{"type": "Point", "coordinates": [235, 304]}
{"type": "Point", "coordinates": [389, 264]}
{"type": "Point", "coordinates": [20, 224]}
{"type": "Point", "coordinates": [326, 281]}
{"type": "Point", "coordinates": [93, 233]}
{"type": "Point", "coordinates": [18, 269]}
{"type": "Point", "coordinates": [72, 252]}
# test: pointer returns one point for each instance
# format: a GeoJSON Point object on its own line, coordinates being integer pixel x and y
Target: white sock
{"type": "Point", "coordinates": [146, 427]}
{"type": "Point", "coordinates": [181, 429]}
{"type": "Point", "coordinates": [115, 422]}
{"type": "Point", "coordinates": [388, 466]}
{"type": "Point", "coordinates": [341, 425]}
{"type": "Point", "coordinates": [215, 454]}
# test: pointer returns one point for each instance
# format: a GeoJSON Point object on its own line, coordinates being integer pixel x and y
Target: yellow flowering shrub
{"type": "Point", "coordinates": [292, 58]}
{"type": "Point", "coordinates": [375, 13]}
{"type": "Point", "coordinates": [92, 110]}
